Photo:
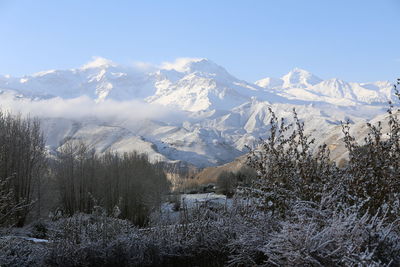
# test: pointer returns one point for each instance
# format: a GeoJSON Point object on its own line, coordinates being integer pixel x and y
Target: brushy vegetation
{"type": "Point", "coordinates": [300, 209]}
{"type": "Point", "coordinates": [216, 236]}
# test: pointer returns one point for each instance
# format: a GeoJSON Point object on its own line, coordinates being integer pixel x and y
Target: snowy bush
{"type": "Point", "coordinates": [334, 239]}
{"type": "Point", "coordinates": [200, 239]}
{"type": "Point", "coordinates": [371, 178]}
{"type": "Point", "coordinates": [372, 174]}
{"type": "Point", "coordinates": [16, 251]}
{"type": "Point", "coordinates": [236, 235]}
{"type": "Point", "coordinates": [287, 167]}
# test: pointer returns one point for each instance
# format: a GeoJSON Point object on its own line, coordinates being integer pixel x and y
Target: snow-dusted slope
{"type": "Point", "coordinates": [210, 115]}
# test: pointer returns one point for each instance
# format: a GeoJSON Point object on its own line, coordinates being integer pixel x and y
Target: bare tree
{"type": "Point", "coordinates": [22, 160]}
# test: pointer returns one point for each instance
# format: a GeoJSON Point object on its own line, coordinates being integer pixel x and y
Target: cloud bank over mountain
{"type": "Point", "coordinates": [86, 107]}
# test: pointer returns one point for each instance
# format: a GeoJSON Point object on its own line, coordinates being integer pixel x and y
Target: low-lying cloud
{"type": "Point", "coordinates": [85, 107]}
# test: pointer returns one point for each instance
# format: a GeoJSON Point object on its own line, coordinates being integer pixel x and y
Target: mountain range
{"type": "Point", "coordinates": [188, 112]}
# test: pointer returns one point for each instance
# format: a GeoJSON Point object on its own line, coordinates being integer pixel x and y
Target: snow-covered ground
{"type": "Point", "coordinates": [192, 200]}
{"type": "Point", "coordinates": [171, 214]}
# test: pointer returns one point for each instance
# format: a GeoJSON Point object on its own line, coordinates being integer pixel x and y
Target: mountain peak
{"type": "Point", "coordinates": [98, 62]}
{"type": "Point", "coordinates": [189, 65]}
{"type": "Point", "coordinates": [299, 71]}
{"type": "Point", "coordinates": [299, 78]}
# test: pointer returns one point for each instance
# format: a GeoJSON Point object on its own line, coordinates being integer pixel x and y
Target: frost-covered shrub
{"type": "Point", "coordinates": [16, 251]}
{"type": "Point", "coordinates": [200, 239]}
{"type": "Point", "coordinates": [82, 228]}
{"type": "Point", "coordinates": [342, 238]}
{"type": "Point", "coordinates": [314, 237]}
{"type": "Point", "coordinates": [372, 176]}
{"type": "Point", "coordinates": [288, 169]}
{"type": "Point", "coordinates": [83, 239]}
{"type": "Point", "coordinates": [234, 235]}
{"type": "Point", "coordinates": [325, 216]}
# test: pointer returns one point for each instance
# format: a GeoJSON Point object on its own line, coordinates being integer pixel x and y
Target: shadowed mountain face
{"type": "Point", "coordinates": [190, 110]}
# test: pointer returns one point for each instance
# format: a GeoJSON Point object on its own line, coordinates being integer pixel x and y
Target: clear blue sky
{"type": "Point", "coordinates": [356, 40]}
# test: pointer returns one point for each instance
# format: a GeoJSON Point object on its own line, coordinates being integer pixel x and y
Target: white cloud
{"type": "Point", "coordinates": [81, 107]}
{"type": "Point", "coordinates": [98, 62]}
{"type": "Point", "coordinates": [180, 64]}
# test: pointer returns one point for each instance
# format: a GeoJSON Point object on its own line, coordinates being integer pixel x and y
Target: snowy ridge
{"type": "Point", "coordinates": [219, 114]}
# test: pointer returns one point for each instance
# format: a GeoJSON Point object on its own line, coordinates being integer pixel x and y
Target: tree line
{"type": "Point", "coordinates": [22, 163]}
{"type": "Point", "coordinates": [124, 185]}
{"type": "Point", "coordinates": [77, 179]}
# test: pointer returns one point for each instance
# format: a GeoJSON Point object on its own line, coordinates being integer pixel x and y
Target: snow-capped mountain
{"type": "Point", "coordinates": [209, 116]}
{"type": "Point", "coordinates": [203, 85]}
{"type": "Point", "coordinates": [302, 85]}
